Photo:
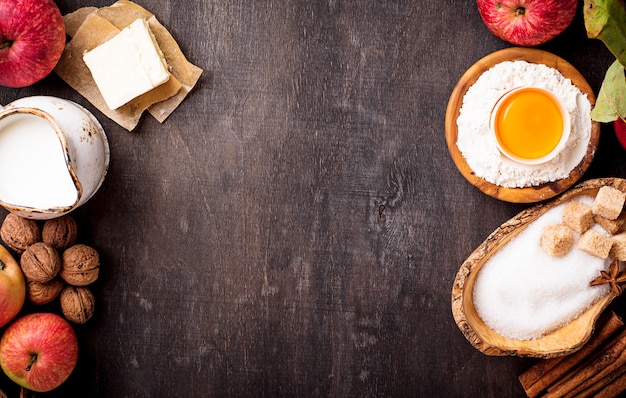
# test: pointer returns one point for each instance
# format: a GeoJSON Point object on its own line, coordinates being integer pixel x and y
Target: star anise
{"type": "Point", "coordinates": [614, 277]}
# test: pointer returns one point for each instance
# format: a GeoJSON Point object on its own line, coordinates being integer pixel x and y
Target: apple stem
{"type": "Point", "coordinates": [2, 263]}
{"type": "Point", "coordinates": [520, 11]}
{"type": "Point", "coordinates": [5, 43]}
{"type": "Point", "coordinates": [33, 359]}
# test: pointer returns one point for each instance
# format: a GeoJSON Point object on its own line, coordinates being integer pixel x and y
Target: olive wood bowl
{"type": "Point", "coordinates": [563, 341]}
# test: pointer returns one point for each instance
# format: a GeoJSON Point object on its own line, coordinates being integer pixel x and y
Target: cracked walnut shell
{"type": "Point", "coordinates": [77, 303]}
{"type": "Point", "coordinates": [80, 265]}
{"type": "Point", "coordinates": [43, 293]}
{"type": "Point", "coordinates": [40, 262]}
{"type": "Point", "coordinates": [60, 232]}
{"type": "Point", "coordinates": [18, 232]}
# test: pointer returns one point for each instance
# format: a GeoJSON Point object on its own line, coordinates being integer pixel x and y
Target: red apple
{"type": "Point", "coordinates": [39, 351]}
{"type": "Point", "coordinates": [620, 131]}
{"type": "Point", "coordinates": [12, 287]}
{"type": "Point", "coordinates": [32, 38]}
{"type": "Point", "coordinates": [527, 22]}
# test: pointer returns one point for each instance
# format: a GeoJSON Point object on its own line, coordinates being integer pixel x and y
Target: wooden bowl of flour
{"type": "Point", "coordinates": [562, 341]}
{"type": "Point", "coordinates": [528, 194]}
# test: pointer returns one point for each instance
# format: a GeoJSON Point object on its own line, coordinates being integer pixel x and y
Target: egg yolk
{"type": "Point", "coordinates": [529, 124]}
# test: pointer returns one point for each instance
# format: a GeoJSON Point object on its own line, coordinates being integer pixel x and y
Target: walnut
{"type": "Point", "coordinates": [18, 232]}
{"type": "Point", "coordinates": [43, 293]}
{"type": "Point", "coordinates": [60, 232]}
{"type": "Point", "coordinates": [80, 265]}
{"type": "Point", "coordinates": [77, 303]}
{"type": "Point", "coordinates": [40, 262]}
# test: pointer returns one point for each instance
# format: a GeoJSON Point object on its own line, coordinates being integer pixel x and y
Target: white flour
{"type": "Point", "coordinates": [478, 146]}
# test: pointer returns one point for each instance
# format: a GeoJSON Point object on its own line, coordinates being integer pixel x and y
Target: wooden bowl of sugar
{"type": "Point", "coordinates": [569, 335]}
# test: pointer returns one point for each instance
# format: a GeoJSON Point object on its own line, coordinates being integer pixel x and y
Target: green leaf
{"type": "Point", "coordinates": [606, 20]}
{"type": "Point", "coordinates": [611, 101]}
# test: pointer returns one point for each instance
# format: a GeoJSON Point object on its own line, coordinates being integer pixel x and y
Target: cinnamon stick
{"type": "Point", "coordinates": [545, 373]}
{"type": "Point", "coordinates": [537, 371]}
{"type": "Point", "coordinates": [613, 357]}
{"type": "Point", "coordinates": [613, 389]}
{"type": "Point", "coordinates": [588, 388]}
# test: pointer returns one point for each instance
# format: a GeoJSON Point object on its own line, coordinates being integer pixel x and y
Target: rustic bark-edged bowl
{"type": "Point", "coordinates": [563, 341]}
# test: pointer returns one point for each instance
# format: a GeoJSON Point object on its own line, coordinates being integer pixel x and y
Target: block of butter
{"type": "Point", "coordinates": [128, 65]}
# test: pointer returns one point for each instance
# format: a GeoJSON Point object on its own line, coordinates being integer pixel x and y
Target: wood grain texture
{"type": "Point", "coordinates": [295, 226]}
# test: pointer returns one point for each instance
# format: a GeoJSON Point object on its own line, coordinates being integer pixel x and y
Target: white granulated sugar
{"type": "Point", "coordinates": [523, 293]}
{"type": "Point", "coordinates": [477, 145]}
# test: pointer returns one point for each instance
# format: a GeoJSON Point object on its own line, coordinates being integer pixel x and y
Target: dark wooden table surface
{"type": "Point", "coordinates": [294, 228]}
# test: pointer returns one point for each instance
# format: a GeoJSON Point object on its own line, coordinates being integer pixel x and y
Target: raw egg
{"type": "Point", "coordinates": [530, 125]}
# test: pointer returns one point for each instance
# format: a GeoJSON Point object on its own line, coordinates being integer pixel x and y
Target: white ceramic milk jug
{"type": "Point", "coordinates": [54, 156]}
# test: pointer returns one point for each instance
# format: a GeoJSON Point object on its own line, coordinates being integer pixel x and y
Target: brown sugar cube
{"type": "Point", "coordinates": [578, 216]}
{"type": "Point", "coordinates": [611, 226]}
{"type": "Point", "coordinates": [618, 250]}
{"type": "Point", "coordinates": [609, 202]}
{"type": "Point", "coordinates": [556, 240]}
{"type": "Point", "coordinates": [595, 243]}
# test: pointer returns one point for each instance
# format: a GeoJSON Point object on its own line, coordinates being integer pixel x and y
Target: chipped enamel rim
{"type": "Point", "coordinates": [70, 168]}
{"type": "Point", "coordinates": [92, 129]}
